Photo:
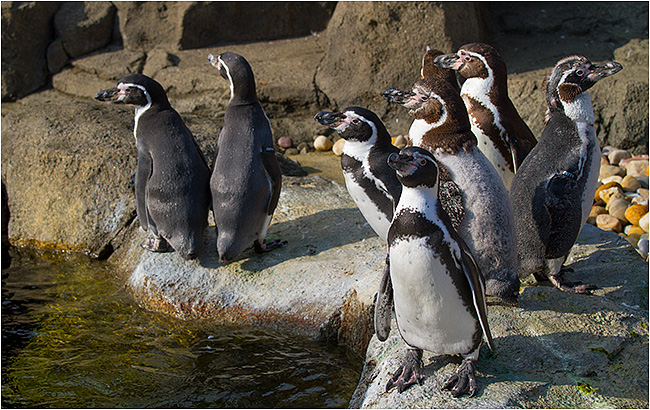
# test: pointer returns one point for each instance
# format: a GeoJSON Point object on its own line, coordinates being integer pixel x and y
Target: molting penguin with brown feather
{"type": "Point", "coordinates": [553, 191]}
{"type": "Point", "coordinates": [441, 125]}
{"type": "Point", "coordinates": [502, 135]}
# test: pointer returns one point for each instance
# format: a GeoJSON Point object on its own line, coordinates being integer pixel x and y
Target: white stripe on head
{"type": "Point", "coordinates": [232, 86]}
{"type": "Point", "coordinates": [139, 109]}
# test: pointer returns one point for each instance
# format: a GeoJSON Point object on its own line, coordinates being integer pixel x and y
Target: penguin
{"type": "Point", "coordinates": [437, 287]}
{"type": "Point", "coordinates": [441, 125]}
{"type": "Point", "coordinates": [430, 69]}
{"type": "Point", "coordinates": [372, 184]}
{"type": "Point", "coordinates": [246, 179]}
{"type": "Point", "coordinates": [553, 191]}
{"type": "Point", "coordinates": [172, 181]}
{"type": "Point", "coordinates": [502, 135]}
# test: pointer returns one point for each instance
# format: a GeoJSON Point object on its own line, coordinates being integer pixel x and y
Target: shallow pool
{"type": "Point", "coordinates": [72, 337]}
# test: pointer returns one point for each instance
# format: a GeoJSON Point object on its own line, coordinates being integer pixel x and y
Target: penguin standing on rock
{"type": "Point", "coordinates": [437, 287]}
{"type": "Point", "coordinates": [372, 184]}
{"type": "Point", "coordinates": [502, 135]}
{"type": "Point", "coordinates": [246, 179]}
{"type": "Point", "coordinates": [553, 191]}
{"type": "Point", "coordinates": [441, 125]}
{"type": "Point", "coordinates": [172, 181]}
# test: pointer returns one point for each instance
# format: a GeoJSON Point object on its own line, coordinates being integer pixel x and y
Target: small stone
{"type": "Point", "coordinates": [633, 240]}
{"type": "Point", "coordinates": [285, 142]}
{"type": "Point", "coordinates": [337, 149]}
{"type": "Point", "coordinates": [643, 181]}
{"type": "Point", "coordinates": [642, 244]}
{"type": "Point", "coordinates": [611, 193]}
{"type": "Point", "coordinates": [639, 200]}
{"type": "Point", "coordinates": [609, 170]}
{"type": "Point", "coordinates": [595, 211]}
{"type": "Point", "coordinates": [604, 187]}
{"type": "Point", "coordinates": [634, 230]}
{"type": "Point", "coordinates": [617, 208]}
{"type": "Point", "coordinates": [630, 184]}
{"type": "Point", "coordinates": [643, 192]}
{"type": "Point", "coordinates": [604, 160]}
{"type": "Point", "coordinates": [614, 178]}
{"type": "Point", "coordinates": [637, 168]}
{"type": "Point", "coordinates": [400, 141]}
{"type": "Point", "coordinates": [617, 155]}
{"type": "Point", "coordinates": [626, 161]}
{"type": "Point", "coordinates": [607, 149]}
{"type": "Point", "coordinates": [635, 212]}
{"type": "Point", "coordinates": [291, 151]}
{"type": "Point", "coordinates": [322, 143]}
{"type": "Point", "coordinates": [643, 222]}
{"type": "Point", "coordinates": [609, 223]}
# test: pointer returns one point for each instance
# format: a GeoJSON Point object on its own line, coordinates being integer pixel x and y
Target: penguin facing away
{"type": "Point", "coordinates": [246, 179]}
{"type": "Point", "coordinates": [431, 70]}
{"type": "Point", "coordinates": [553, 190]}
{"type": "Point", "coordinates": [372, 184]}
{"type": "Point", "coordinates": [502, 135]}
{"type": "Point", "coordinates": [441, 125]}
{"type": "Point", "coordinates": [172, 181]}
{"type": "Point", "coordinates": [437, 288]}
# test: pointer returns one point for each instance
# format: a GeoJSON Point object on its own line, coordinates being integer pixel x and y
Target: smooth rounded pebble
{"type": "Point", "coordinates": [644, 221]}
{"type": "Point", "coordinates": [609, 223]}
{"type": "Point", "coordinates": [643, 245]}
{"type": "Point", "coordinates": [617, 155]}
{"type": "Point", "coordinates": [609, 170]}
{"type": "Point", "coordinates": [637, 168]}
{"type": "Point", "coordinates": [612, 193]}
{"type": "Point", "coordinates": [400, 141]}
{"type": "Point", "coordinates": [630, 184]}
{"type": "Point", "coordinates": [337, 148]}
{"type": "Point", "coordinates": [617, 208]}
{"type": "Point", "coordinates": [322, 143]}
{"type": "Point", "coordinates": [606, 186]}
{"type": "Point", "coordinates": [285, 142]}
{"type": "Point", "coordinates": [634, 213]}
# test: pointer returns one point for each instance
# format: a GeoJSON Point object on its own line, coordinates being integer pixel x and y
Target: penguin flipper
{"type": "Point", "coordinates": [477, 284]}
{"type": "Point", "coordinates": [270, 163]}
{"type": "Point", "coordinates": [564, 207]}
{"type": "Point", "coordinates": [451, 199]}
{"type": "Point", "coordinates": [384, 304]}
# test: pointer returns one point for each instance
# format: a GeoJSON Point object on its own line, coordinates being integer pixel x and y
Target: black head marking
{"type": "Point", "coordinates": [355, 124]}
{"type": "Point", "coordinates": [572, 76]}
{"type": "Point", "coordinates": [136, 89]}
{"type": "Point", "coordinates": [415, 167]}
{"type": "Point", "coordinates": [238, 72]}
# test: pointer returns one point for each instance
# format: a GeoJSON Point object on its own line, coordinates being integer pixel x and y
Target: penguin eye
{"type": "Point", "coordinates": [355, 121]}
{"type": "Point", "coordinates": [425, 98]}
{"type": "Point", "coordinates": [467, 58]}
{"type": "Point", "coordinates": [422, 161]}
{"type": "Point", "coordinates": [580, 73]}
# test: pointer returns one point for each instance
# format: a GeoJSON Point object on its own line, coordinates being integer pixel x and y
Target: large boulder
{"type": "Point", "coordinates": [84, 27]}
{"type": "Point", "coordinates": [554, 350]}
{"type": "Point", "coordinates": [68, 167]}
{"type": "Point", "coordinates": [26, 34]}
{"type": "Point", "coordinates": [372, 46]}
{"type": "Point", "coordinates": [184, 25]}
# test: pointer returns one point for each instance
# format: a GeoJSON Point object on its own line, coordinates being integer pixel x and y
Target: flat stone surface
{"type": "Point", "coordinates": [326, 276]}
{"type": "Point", "coordinates": [555, 350]}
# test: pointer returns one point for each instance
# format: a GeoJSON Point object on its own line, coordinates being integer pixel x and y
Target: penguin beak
{"type": "Point", "coordinates": [330, 119]}
{"type": "Point", "coordinates": [398, 96]}
{"type": "Point", "coordinates": [108, 95]}
{"type": "Point", "coordinates": [604, 69]}
{"type": "Point", "coordinates": [404, 164]}
{"type": "Point", "coordinates": [214, 61]}
{"type": "Point", "coordinates": [452, 61]}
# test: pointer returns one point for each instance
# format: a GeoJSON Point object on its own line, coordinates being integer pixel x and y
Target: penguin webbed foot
{"type": "Point", "coordinates": [463, 380]}
{"type": "Point", "coordinates": [564, 285]}
{"type": "Point", "coordinates": [156, 244]}
{"type": "Point", "coordinates": [408, 373]}
{"type": "Point", "coordinates": [263, 246]}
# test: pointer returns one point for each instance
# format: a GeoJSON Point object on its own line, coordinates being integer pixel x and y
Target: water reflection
{"type": "Point", "coordinates": [71, 337]}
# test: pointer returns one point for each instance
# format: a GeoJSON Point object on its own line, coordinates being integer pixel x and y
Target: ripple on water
{"type": "Point", "coordinates": [71, 337]}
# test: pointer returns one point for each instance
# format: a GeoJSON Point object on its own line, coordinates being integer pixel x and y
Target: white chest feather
{"type": "Point", "coordinates": [139, 110]}
{"type": "Point", "coordinates": [377, 219]}
{"type": "Point", "coordinates": [429, 310]}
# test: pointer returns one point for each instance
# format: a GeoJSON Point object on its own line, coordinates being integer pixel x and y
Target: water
{"type": "Point", "coordinates": [72, 337]}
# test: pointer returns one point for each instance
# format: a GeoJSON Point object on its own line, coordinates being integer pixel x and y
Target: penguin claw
{"type": "Point", "coordinates": [156, 244]}
{"type": "Point", "coordinates": [463, 380]}
{"type": "Point", "coordinates": [571, 287]}
{"type": "Point", "coordinates": [408, 373]}
{"type": "Point", "coordinates": [263, 247]}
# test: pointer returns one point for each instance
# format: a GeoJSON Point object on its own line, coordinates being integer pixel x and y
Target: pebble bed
{"type": "Point", "coordinates": [621, 200]}
{"type": "Point", "coordinates": [620, 203]}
